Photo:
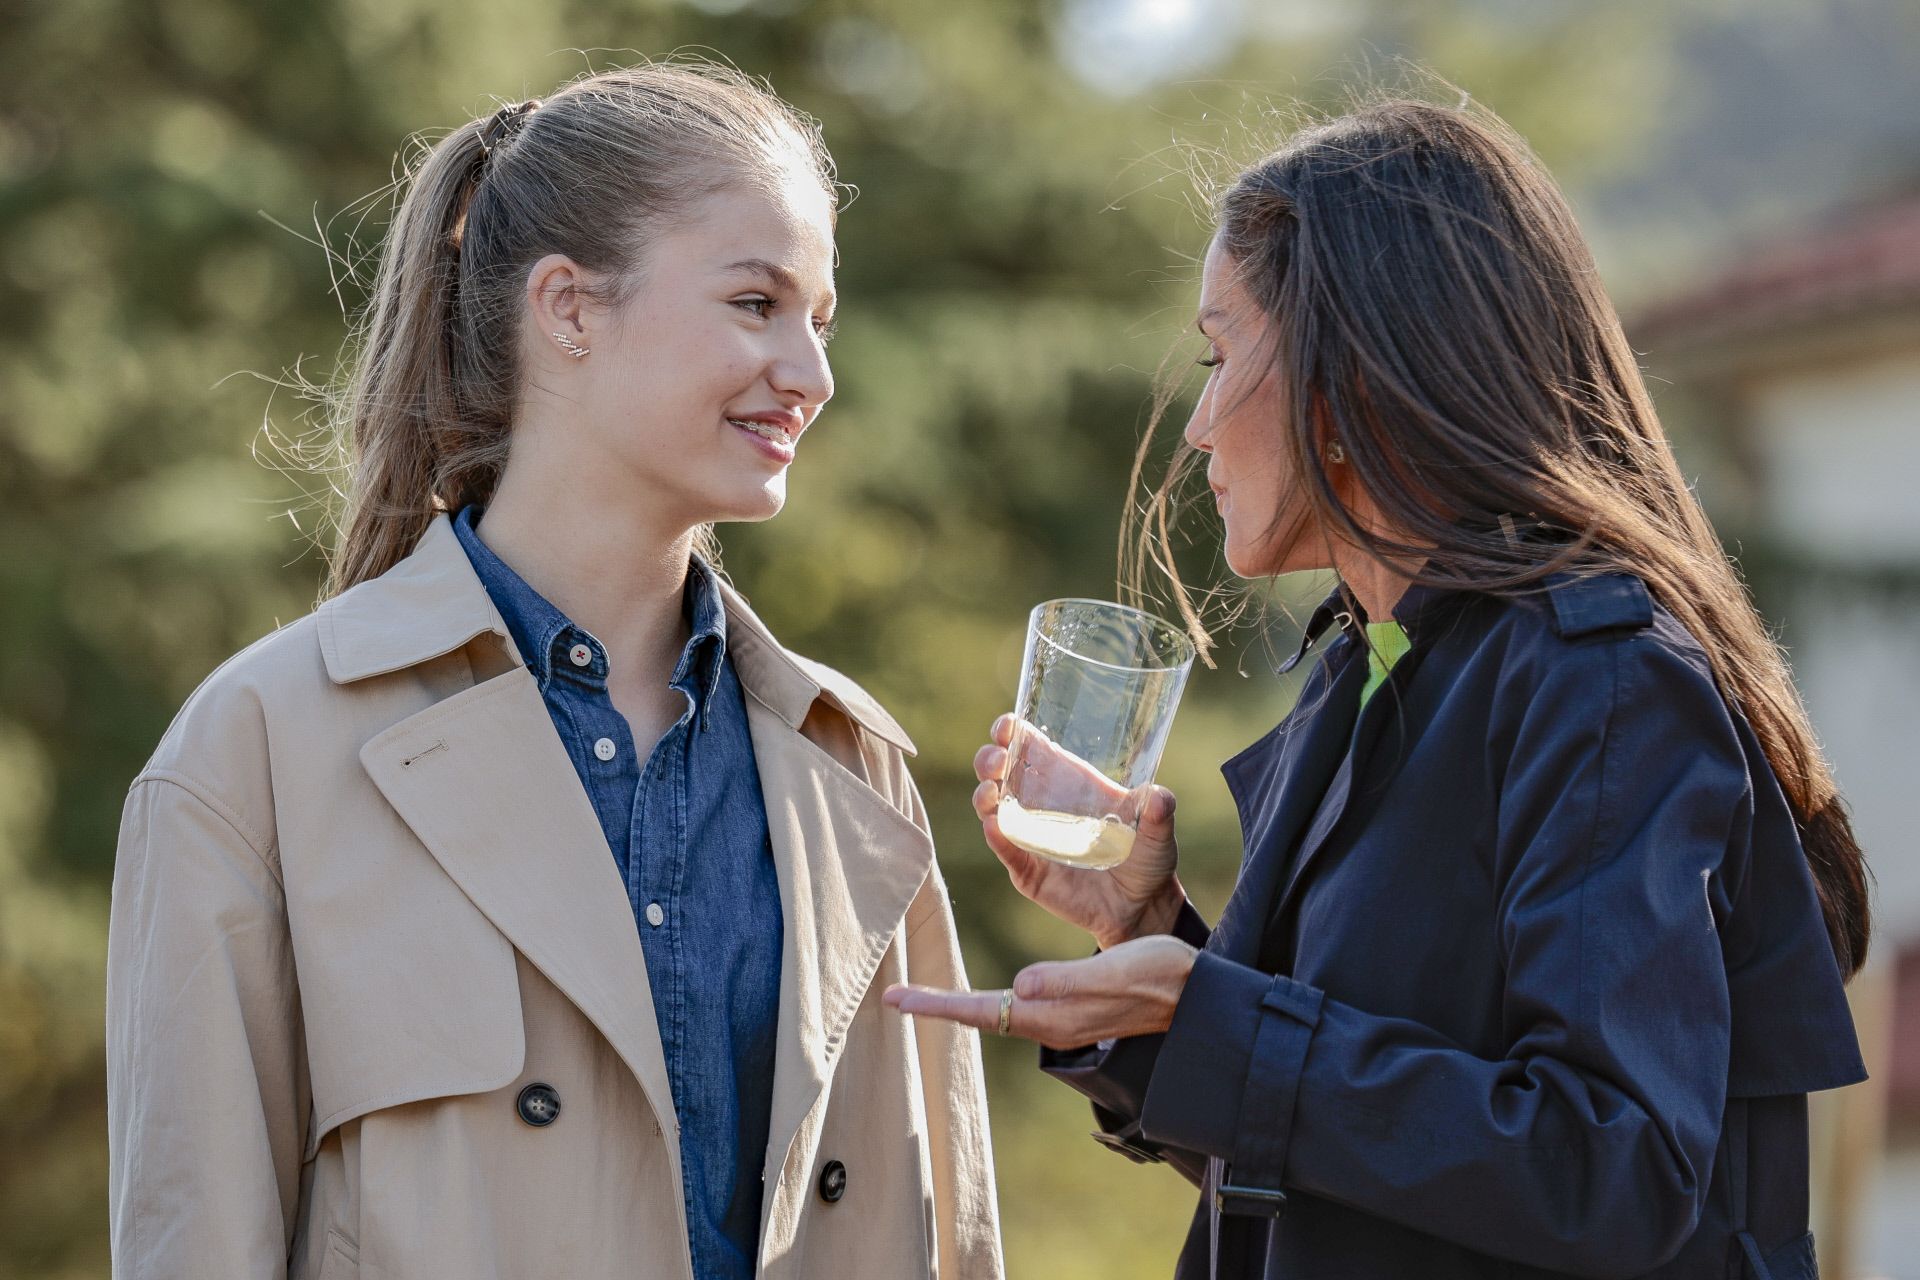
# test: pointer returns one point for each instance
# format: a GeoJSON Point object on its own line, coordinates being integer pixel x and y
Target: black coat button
{"type": "Point", "coordinates": [833, 1181]}
{"type": "Point", "coordinates": [538, 1105]}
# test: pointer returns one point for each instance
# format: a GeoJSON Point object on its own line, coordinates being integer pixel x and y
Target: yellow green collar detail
{"type": "Point", "coordinates": [1388, 643]}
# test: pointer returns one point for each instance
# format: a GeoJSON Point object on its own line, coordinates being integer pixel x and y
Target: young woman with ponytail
{"type": "Point", "coordinates": [523, 910]}
{"type": "Point", "coordinates": [1547, 895]}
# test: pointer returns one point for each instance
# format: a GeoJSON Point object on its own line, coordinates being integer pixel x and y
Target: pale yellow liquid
{"type": "Point", "coordinates": [1066, 837]}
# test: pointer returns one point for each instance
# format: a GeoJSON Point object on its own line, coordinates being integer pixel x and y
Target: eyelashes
{"type": "Point", "coordinates": [761, 306]}
{"type": "Point", "coordinates": [1208, 362]}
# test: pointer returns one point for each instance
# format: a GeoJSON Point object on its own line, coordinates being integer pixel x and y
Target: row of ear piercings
{"type": "Point", "coordinates": [573, 348]}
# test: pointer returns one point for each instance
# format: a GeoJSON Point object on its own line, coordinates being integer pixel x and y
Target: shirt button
{"type": "Point", "coordinates": [605, 748]}
{"type": "Point", "coordinates": [833, 1181]}
{"type": "Point", "coordinates": [538, 1105]}
{"type": "Point", "coordinates": [580, 655]}
{"type": "Point", "coordinates": [655, 916]}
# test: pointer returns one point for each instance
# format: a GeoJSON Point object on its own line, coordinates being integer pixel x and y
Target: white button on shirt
{"type": "Point", "coordinates": [604, 748]}
{"type": "Point", "coordinates": [655, 916]}
{"type": "Point", "coordinates": [581, 656]}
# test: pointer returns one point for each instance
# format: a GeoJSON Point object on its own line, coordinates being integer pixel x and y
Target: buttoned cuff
{"type": "Point", "coordinates": [1113, 1074]}
{"type": "Point", "coordinates": [1228, 1069]}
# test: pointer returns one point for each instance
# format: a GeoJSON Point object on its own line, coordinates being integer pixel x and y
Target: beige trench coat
{"type": "Point", "coordinates": [361, 901]}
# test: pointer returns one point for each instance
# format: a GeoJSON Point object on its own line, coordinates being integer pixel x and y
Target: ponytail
{"type": "Point", "coordinates": [415, 451]}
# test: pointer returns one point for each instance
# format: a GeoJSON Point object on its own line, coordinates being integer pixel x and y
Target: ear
{"type": "Point", "coordinates": [557, 296]}
{"type": "Point", "coordinates": [1342, 475]}
{"type": "Point", "coordinates": [1323, 434]}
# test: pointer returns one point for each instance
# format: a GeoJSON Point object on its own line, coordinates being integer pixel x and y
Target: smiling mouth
{"type": "Point", "coordinates": [765, 431]}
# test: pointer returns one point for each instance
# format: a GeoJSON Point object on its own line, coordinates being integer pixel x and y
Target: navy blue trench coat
{"type": "Point", "coordinates": [1524, 974]}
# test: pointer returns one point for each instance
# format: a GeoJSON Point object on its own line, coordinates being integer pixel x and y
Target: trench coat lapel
{"type": "Point", "coordinates": [849, 864]}
{"type": "Point", "coordinates": [1290, 788]}
{"type": "Point", "coordinates": [489, 790]}
{"type": "Point", "coordinates": [484, 782]}
{"type": "Point", "coordinates": [1364, 728]}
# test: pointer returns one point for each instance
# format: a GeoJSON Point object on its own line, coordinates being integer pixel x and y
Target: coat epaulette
{"type": "Point", "coordinates": [1584, 605]}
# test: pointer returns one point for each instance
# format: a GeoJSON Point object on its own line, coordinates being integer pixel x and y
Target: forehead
{"type": "Point", "coordinates": [1221, 291]}
{"type": "Point", "coordinates": [788, 224]}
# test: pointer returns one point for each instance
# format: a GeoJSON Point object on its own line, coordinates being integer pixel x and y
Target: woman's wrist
{"type": "Point", "coordinates": [1156, 915]}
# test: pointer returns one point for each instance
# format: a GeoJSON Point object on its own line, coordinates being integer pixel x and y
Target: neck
{"type": "Point", "coordinates": [1377, 586]}
{"type": "Point", "coordinates": [603, 564]}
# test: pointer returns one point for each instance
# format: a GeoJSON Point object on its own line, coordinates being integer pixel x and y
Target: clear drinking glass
{"type": "Point", "coordinates": [1098, 688]}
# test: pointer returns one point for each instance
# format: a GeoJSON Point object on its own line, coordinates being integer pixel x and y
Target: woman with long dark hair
{"type": "Point", "coordinates": [1548, 896]}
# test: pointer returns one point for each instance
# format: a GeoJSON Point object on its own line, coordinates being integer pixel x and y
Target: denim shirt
{"type": "Point", "coordinates": [688, 833]}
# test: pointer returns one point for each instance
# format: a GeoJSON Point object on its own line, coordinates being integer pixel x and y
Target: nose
{"type": "Point", "coordinates": [802, 373]}
{"type": "Point", "coordinates": [1200, 425]}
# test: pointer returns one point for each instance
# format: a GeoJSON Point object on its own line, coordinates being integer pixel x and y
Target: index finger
{"type": "Point", "coordinates": [980, 1009]}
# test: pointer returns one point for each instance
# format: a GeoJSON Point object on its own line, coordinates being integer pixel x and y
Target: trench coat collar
{"type": "Point", "coordinates": [1338, 608]}
{"type": "Point", "coordinates": [432, 603]}
{"type": "Point", "coordinates": [1420, 605]}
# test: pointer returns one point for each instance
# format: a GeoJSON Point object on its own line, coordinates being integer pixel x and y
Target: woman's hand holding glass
{"type": "Point", "coordinates": [1140, 896]}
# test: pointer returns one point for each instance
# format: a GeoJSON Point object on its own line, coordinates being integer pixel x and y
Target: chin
{"type": "Point", "coordinates": [1247, 562]}
{"type": "Point", "coordinates": [1265, 556]}
{"type": "Point", "coordinates": [750, 508]}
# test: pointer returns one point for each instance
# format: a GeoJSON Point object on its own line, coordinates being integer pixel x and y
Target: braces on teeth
{"type": "Point", "coordinates": [762, 430]}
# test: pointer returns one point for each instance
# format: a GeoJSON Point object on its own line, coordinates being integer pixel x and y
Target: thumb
{"type": "Point", "coordinates": [1047, 980]}
{"type": "Point", "coordinates": [1156, 815]}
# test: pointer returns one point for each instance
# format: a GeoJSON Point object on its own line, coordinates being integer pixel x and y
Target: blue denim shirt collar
{"type": "Point", "coordinates": [545, 636]}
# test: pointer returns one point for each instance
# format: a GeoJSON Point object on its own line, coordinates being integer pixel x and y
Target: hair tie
{"type": "Point", "coordinates": [505, 123]}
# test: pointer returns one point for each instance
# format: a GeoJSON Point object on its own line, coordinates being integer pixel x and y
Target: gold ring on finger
{"type": "Point", "coordinates": [1006, 1011]}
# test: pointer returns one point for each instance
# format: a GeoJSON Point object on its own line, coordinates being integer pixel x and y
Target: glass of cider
{"type": "Point", "coordinates": [1098, 687]}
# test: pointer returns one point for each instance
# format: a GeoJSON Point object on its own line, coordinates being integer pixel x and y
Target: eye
{"type": "Point", "coordinates": [1209, 361]}
{"type": "Point", "coordinates": [757, 304]}
{"type": "Point", "coordinates": [826, 329]}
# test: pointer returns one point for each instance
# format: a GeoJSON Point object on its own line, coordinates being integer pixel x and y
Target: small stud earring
{"type": "Point", "coordinates": [1336, 453]}
{"type": "Point", "coordinates": [574, 349]}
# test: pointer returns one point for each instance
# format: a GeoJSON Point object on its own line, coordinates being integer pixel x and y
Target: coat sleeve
{"type": "Point", "coordinates": [207, 1095]}
{"type": "Point", "coordinates": [966, 1205]}
{"type": "Point", "coordinates": [1587, 1146]}
{"type": "Point", "coordinates": [1113, 1074]}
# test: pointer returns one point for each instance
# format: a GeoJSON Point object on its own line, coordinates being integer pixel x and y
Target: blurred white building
{"type": "Point", "coordinates": [1800, 366]}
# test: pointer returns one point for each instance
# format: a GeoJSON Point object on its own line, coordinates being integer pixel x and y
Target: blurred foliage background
{"type": "Point", "coordinates": [1018, 262]}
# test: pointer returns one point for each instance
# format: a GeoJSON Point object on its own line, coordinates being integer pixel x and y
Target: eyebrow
{"type": "Point", "coordinates": [773, 271]}
{"type": "Point", "coordinates": [1211, 313]}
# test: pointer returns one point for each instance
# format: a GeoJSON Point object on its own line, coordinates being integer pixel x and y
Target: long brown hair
{"type": "Point", "coordinates": [1435, 310]}
{"type": "Point", "coordinates": [427, 409]}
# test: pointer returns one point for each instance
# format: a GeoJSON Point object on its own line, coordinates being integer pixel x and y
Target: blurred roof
{"type": "Point", "coordinates": [1858, 265]}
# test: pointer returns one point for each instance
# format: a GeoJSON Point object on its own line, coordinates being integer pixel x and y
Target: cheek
{"type": "Point", "coordinates": [683, 378]}
{"type": "Point", "coordinates": [1264, 502]}
{"type": "Point", "coordinates": [1242, 450]}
